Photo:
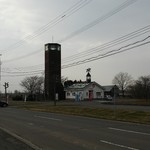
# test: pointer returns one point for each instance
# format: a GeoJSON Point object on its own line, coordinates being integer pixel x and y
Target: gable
{"type": "Point", "coordinates": [92, 85]}
{"type": "Point", "coordinates": [84, 86]}
{"type": "Point", "coordinates": [108, 88]}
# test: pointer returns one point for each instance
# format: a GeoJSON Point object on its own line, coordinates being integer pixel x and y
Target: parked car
{"type": "Point", "coordinates": [108, 97]}
{"type": "Point", "coordinates": [3, 104]}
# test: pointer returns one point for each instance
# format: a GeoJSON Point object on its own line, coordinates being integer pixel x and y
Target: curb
{"type": "Point", "coordinates": [21, 139]}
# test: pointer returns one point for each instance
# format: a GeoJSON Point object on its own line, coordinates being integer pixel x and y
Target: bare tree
{"type": "Point", "coordinates": [141, 87]}
{"type": "Point", "coordinates": [63, 79]}
{"type": "Point", "coordinates": [33, 85]}
{"type": "Point", "coordinates": [122, 80]}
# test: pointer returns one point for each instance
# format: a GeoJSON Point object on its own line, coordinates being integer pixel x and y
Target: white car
{"type": "Point", "coordinates": [108, 97]}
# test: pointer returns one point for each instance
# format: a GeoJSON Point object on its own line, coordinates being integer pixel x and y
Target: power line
{"type": "Point", "coordinates": [50, 24]}
{"type": "Point", "coordinates": [20, 75]}
{"type": "Point", "coordinates": [98, 20]}
{"type": "Point", "coordinates": [110, 53]}
{"type": "Point", "coordinates": [96, 49]}
{"type": "Point", "coordinates": [104, 55]}
{"type": "Point", "coordinates": [110, 44]}
{"type": "Point", "coordinates": [22, 72]}
{"type": "Point", "coordinates": [23, 56]}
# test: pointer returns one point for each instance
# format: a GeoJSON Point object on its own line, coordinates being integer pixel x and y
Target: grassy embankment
{"type": "Point", "coordinates": [81, 110]}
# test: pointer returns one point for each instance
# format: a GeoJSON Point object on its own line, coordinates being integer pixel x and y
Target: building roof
{"type": "Point", "coordinates": [78, 85]}
{"type": "Point", "coordinates": [82, 85]}
{"type": "Point", "coordinates": [88, 74]}
{"type": "Point", "coordinates": [108, 87]}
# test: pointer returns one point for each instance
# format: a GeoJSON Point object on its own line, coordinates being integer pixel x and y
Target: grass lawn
{"type": "Point", "coordinates": [138, 102]}
{"type": "Point", "coordinates": [75, 109]}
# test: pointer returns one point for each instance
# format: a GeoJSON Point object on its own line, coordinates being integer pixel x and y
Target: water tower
{"type": "Point", "coordinates": [52, 70]}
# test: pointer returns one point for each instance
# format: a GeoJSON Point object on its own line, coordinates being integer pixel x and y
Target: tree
{"type": "Point", "coordinates": [33, 85]}
{"type": "Point", "coordinates": [68, 83]}
{"type": "Point", "coordinates": [144, 82]}
{"type": "Point", "coordinates": [141, 87]}
{"type": "Point", "coordinates": [63, 80]}
{"type": "Point", "coordinates": [122, 80]}
{"type": "Point", "coordinates": [17, 95]}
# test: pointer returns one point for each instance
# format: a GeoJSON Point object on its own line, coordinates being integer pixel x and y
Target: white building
{"type": "Point", "coordinates": [84, 91]}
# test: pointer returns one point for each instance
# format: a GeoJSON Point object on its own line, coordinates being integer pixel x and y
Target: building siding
{"type": "Point", "coordinates": [83, 93]}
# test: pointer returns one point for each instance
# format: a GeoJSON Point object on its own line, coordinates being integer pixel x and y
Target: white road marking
{"type": "Point", "coordinates": [118, 145]}
{"type": "Point", "coordinates": [48, 118]}
{"type": "Point", "coordinates": [123, 130]}
{"type": "Point", "coordinates": [30, 123]}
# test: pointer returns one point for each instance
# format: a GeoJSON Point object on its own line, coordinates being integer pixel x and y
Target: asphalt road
{"type": "Point", "coordinates": [8, 142]}
{"type": "Point", "coordinates": [49, 131]}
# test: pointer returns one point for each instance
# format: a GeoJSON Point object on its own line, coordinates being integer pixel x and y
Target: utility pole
{"type": "Point", "coordinates": [0, 66]}
{"type": "Point", "coordinates": [115, 113]}
{"type": "Point", "coordinates": [0, 72]}
{"type": "Point", "coordinates": [6, 85]}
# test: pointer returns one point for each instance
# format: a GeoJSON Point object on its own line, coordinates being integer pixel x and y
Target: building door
{"type": "Point", "coordinates": [90, 95]}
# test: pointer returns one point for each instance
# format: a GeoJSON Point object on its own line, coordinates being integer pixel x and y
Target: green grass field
{"type": "Point", "coordinates": [75, 109]}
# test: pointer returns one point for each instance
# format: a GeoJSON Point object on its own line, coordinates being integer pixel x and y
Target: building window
{"type": "Point", "coordinates": [87, 94]}
{"type": "Point", "coordinates": [68, 94]}
{"type": "Point", "coordinates": [98, 94]}
{"type": "Point", "coordinates": [73, 94]}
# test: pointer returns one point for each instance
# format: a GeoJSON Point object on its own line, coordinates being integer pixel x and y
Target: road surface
{"type": "Point", "coordinates": [8, 142]}
{"type": "Point", "coordinates": [48, 131]}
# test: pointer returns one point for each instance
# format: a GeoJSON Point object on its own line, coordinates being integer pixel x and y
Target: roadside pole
{"type": "Point", "coordinates": [0, 73]}
{"type": "Point", "coordinates": [6, 85]}
{"type": "Point", "coordinates": [114, 98]}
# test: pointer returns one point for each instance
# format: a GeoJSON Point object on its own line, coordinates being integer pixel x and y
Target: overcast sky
{"type": "Point", "coordinates": [79, 26]}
